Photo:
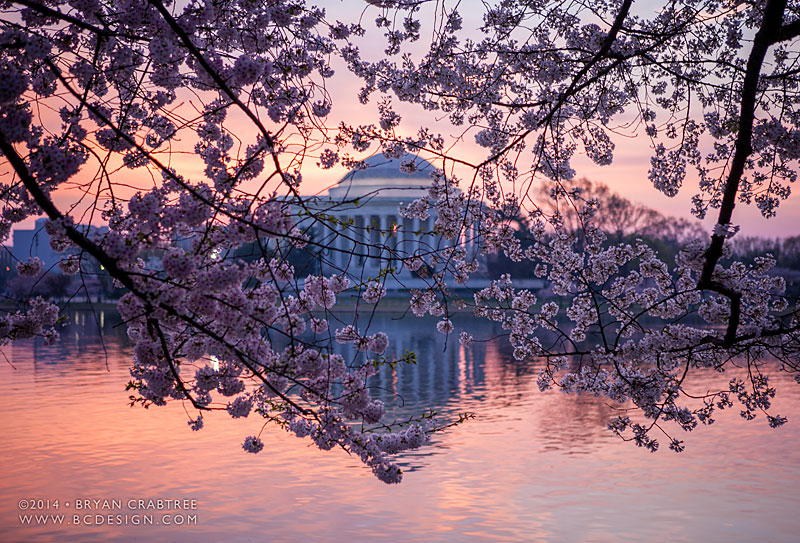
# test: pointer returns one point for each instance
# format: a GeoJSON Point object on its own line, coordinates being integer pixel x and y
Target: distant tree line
{"type": "Point", "coordinates": [93, 283]}
{"type": "Point", "coordinates": [624, 221]}
{"type": "Point", "coordinates": [786, 253]}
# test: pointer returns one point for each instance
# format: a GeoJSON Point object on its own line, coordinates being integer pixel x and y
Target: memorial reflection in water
{"type": "Point", "coordinates": [443, 369]}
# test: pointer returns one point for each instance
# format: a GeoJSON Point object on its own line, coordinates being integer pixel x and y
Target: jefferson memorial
{"type": "Point", "coordinates": [368, 234]}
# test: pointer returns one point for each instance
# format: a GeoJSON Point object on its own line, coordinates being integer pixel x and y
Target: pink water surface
{"type": "Point", "coordinates": [530, 467]}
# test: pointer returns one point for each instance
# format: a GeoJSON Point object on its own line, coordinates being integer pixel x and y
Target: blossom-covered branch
{"type": "Point", "coordinates": [185, 131]}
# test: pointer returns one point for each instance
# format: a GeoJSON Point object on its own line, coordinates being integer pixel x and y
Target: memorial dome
{"type": "Point", "coordinates": [385, 178]}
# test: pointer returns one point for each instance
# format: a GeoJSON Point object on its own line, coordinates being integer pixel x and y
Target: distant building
{"type": "Point", "coordinates": [7, 261]}
{"type": "Point", "coordinates": [368, 234]}
{"type": "Point", "coordinates": [7, 267]}
{"type": "Point", "coordinates": [36, 243]}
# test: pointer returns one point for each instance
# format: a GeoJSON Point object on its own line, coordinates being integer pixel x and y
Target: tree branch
{"type": "Point", "coordinates": [787, 32]}
{"type": "Point", "coordinates": [50, 12]}
{"type": "Point", "coordinates": [770, 27]}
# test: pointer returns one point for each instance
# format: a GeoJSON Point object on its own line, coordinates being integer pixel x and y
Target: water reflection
{"type": "Point", "coordinates": [485, 379]}
{"type": "Point", "coordinates": [531, 467]}
{"type": "Point", "coordinates": [443, 371]}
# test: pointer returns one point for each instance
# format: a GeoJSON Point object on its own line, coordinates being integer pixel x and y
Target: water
{"type": "Point", "coordinates": [531, 467]}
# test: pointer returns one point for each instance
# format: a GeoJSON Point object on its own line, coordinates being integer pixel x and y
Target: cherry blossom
{"type": "Point", "coordinates": [203, 118]}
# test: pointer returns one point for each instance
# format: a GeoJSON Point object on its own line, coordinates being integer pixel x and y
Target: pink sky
{"type": "Point", "coordinates": [627, 175]}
